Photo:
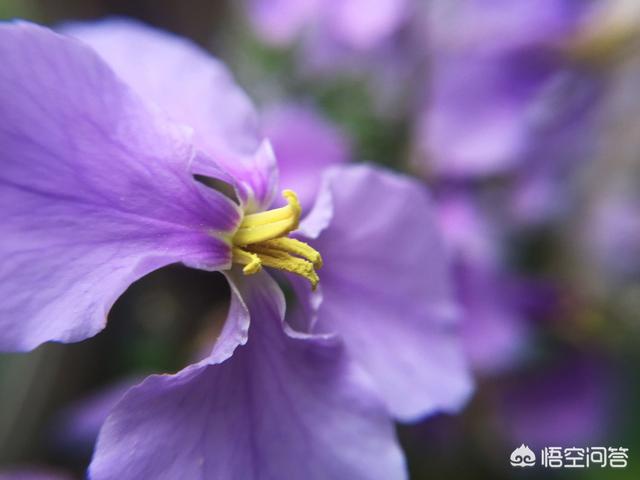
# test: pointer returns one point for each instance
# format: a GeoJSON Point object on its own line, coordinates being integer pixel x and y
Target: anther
{"type": "Point", "coordinates": [261, 240]}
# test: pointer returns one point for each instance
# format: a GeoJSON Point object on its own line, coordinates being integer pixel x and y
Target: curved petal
{"type": "Point", "coordinates": [386, 291]}
{"type": "Point", "coordinates": [305, 144]}
{"type": "Point", "coordinates": [284, 406]}
{"type": "Point", "coordinates": [320, 215]}
{"type": "Point", "coordinates": [95, 191]}
{"type": "Point", "coordinates": [194, 89]}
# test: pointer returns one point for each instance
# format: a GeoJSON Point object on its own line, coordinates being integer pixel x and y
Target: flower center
{"type": "Point", "coordinates": [261, 240]}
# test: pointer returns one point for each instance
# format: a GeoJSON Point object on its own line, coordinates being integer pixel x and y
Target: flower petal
{"type": "Point", "coordinates": [387, 291]}
{"type": "Point", "coordinates": [364, 24]}
{"type": "Point", "coordinates": [319, 218]}
{"type": "Point", "coordinates": [195, 89]}
{"type": "Point", "coordinates": [523, 88]}
{"type": "Point", "coordinates": [305, 144]}
{"type": "Point", "coordinates": [494, 331]}
{"type": "Point", "coordinates": [493, 328]}
{"type": "Point", "coordinates": [77, 425]}
{"type": "Point", "coordinates": [284, 406]}
{"type": "Point", "coordinates": [278, 22]}
{"type": "Point", "coordinates": [571, 401]}
{"type": "Point", "coordinates": [95, 191]}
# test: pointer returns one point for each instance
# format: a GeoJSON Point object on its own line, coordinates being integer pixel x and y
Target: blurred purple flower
{"type": "Point", "coordinates": [544, 186]}
{"type": "Point", "coordinates": [76, 427]}
{"type": "Point", "coordinates": [371, 42]}
{"type": "Point", "coordinates": [100, 147]}
{"type": "Point", "coordinates": [305, 144]}
{"type": "Point", "coordinates": [612, 236]}
{"type": "Point", "coordinates": [568, 404]}
{"type": "Point", "coordinates": [493, 328]}
{"type": "Point", "coordinates": [356, 24]}
{"type": "Point", "coordinates": [502, 81]}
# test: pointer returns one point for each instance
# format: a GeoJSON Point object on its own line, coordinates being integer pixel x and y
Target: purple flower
{"type": "Point", "coordinates": [356, 24]}
{"type": "Point", "coordinates": [493, 328]}
{"type": "Point", "coordinates": [305, 144]}
{"type": "Point", "coordinates": [505, 78]}
{"type": "Point", "coordinates": [612, 234]}
{"type": "Point", "coordinates": [101, 143]}
{"type": "Point", "coordinates": [75, 428]}
{"type": "Point", "coordinates": [567, 403]}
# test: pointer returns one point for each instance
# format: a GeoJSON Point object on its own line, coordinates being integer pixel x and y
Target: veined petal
{"type": "Point", "coordinates": [284, 406]}
{"type": "Point", "coordinates": [95, 191]}
{"type": "Point", "coordinates": [386, 290]}
{"type": "Point", "coordinates": [195, 89]}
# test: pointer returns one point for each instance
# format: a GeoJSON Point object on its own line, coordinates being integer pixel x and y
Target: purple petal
{"type": "Point", "coordinates": [78, 424]}
{"type": "Point", "coordinates": [363, 24]}
{"type": "Point", "coordinates": [319, 218]}
{"type": "Point", "coordinates": [496, 69]}
{"type": "Point", "coordinates": [612, 234]}
{"type": "Point", "coordinates": [278, 22]}
{"type": "Point", "coordinates": [95, 191]}
{"type": "Point", "coordinates": [493, 328]}
{"type": "Point", "coordinates": [483, 26]}
{"type": "Point", "coordinates": [305, 144]}
{"type": "Point", "coordinates": [356, 24]}
{"type": "Point", "coordinates": [284, 406]}
{"type": "Point", "coordinates": [387, 292]}
{"type": "Point", "coordinates": [469, 233]}
{"type": "Point", "coordinates": [569, 403]}
{"type": "Point", "coordinates": [473, 130]}
{"type": "Point", "coordinates": [194, 89]}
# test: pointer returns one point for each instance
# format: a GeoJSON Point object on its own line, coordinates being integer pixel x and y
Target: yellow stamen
{"type": "Point", "coordinates": [251, 261]}
{"type": "Point", "coordinates": [295, 247]}
{"type": "Point", "coordinates": [258, 227]}
{"type": "Point", "coordinates": [288, 263]}
{"type": "Point", "coordinates": [292, 209]}
{"type": "Point", "coordinates": [261, 240]}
